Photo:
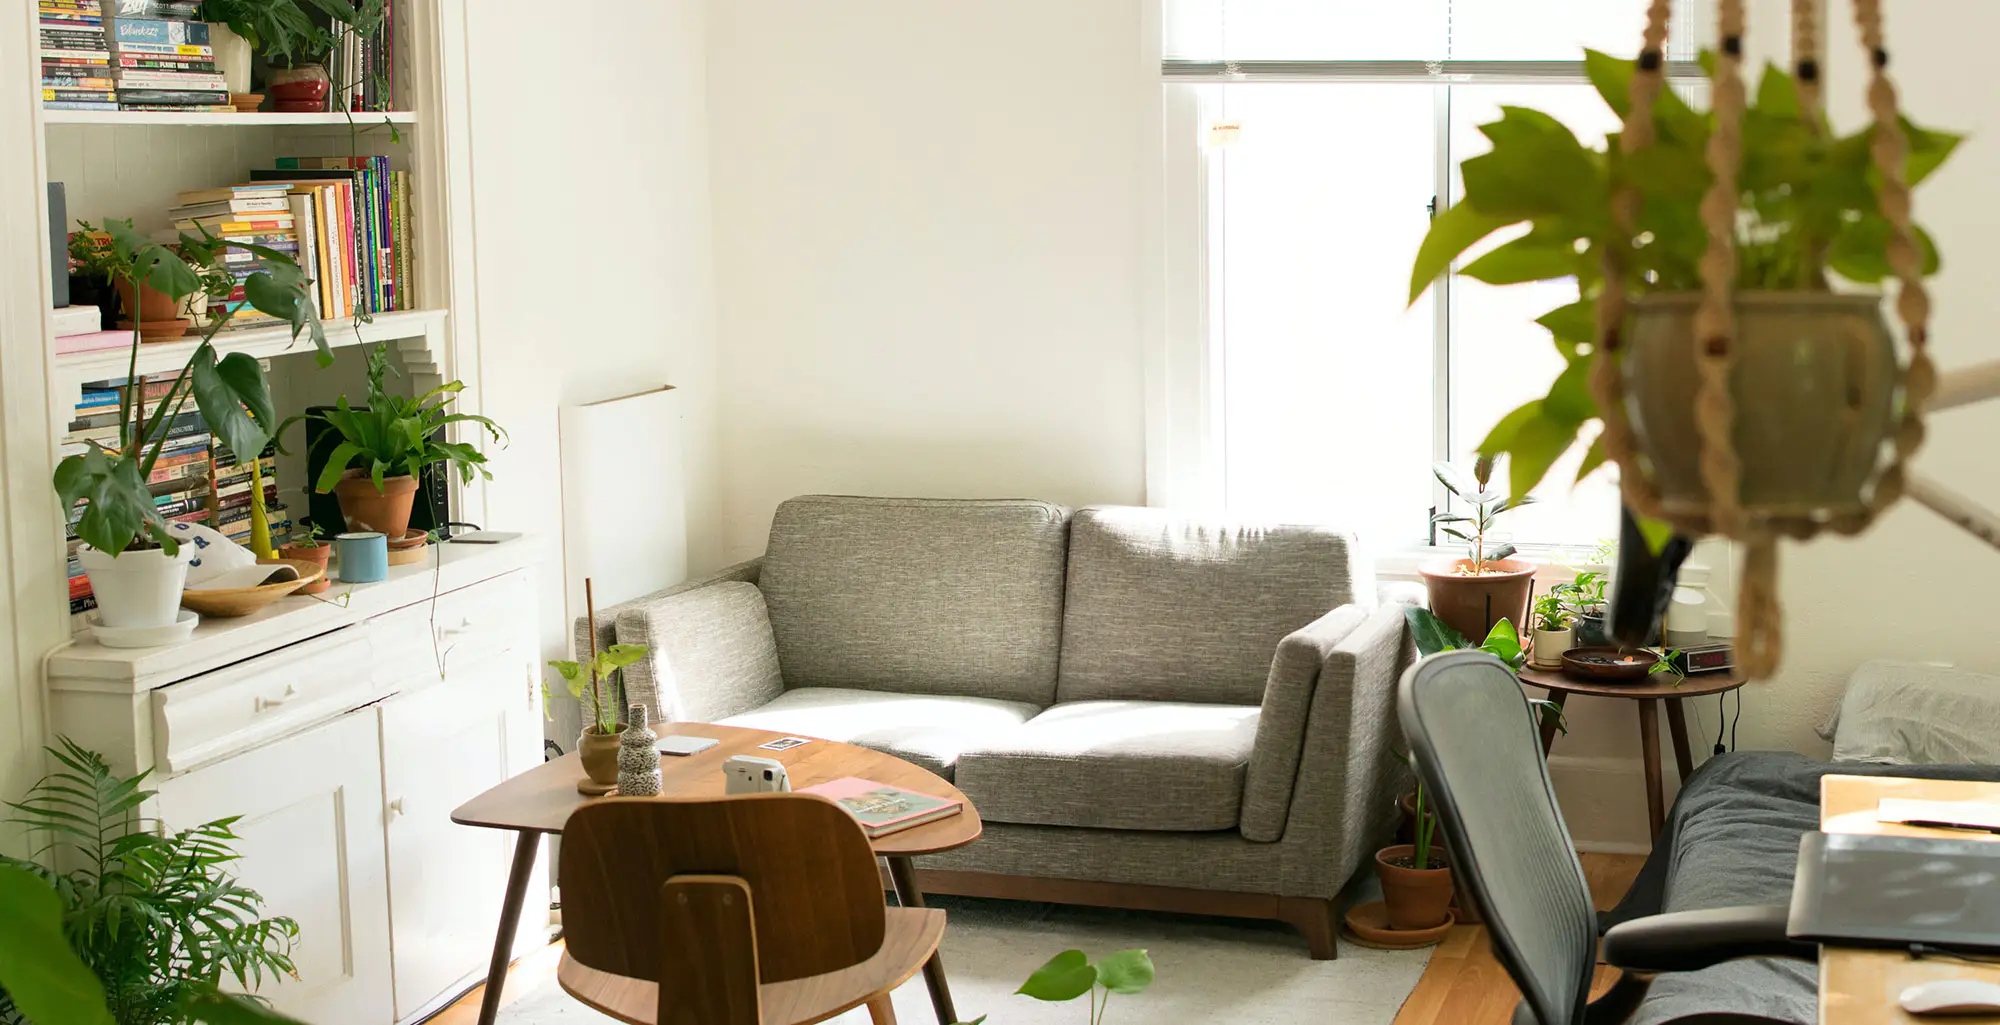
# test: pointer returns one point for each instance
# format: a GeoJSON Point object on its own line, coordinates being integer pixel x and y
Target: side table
{"type": "Point", "coordinates": [1649, 693]}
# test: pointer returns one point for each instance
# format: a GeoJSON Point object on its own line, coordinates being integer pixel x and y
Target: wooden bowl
{"type": "Point", "coordinates": [1607, 664]}
{"type": "Point", "coordinates": [228, 603]}
{"type": "Point", "coordinates": [246, 103]}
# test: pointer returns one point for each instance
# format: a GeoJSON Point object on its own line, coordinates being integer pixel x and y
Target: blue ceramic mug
{"type": "Point", "coordinates": [364, 556]}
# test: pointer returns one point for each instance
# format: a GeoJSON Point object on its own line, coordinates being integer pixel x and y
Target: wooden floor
{"type": "Point", "coordinates": [1463, 985]}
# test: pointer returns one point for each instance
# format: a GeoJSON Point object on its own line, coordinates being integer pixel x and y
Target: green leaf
{"type": "Point", "coordinates": [1501, 436]}
{"type": "Point", "coordinates": [337, 463]}
{"type": "Point", "coordinates": [1536, 447]}
{"type": "Point", "coordinates": [44, 978]}
{"type": "Point", "coordinates": [119, 505]}
{"type": "Point", "coordinates": [1127, 971]}
{"type": "Point", "coordinates": [1572, 325]}
{"type": "Point", "coordinates": [1431, 633]}
{"type": "Point", "coordinates": [1592, 458]}
{"type": "Point", "coordinates": [234, 399]}
{"type": "Point", "coordinates": [1066, 976]}
{"type": "Point", "coordinates": [208, 1004]}
{"type": "Point", "coordinates": [1777, 95]}
{"type": "Point", "coordinates": [1451, 233]}
{"type": "Point", "coordinates": [1536, 169]}
{"type": "Point", "coordinates": [1528, 258]}
{"type": "Point", "coordinates": [1656, 533]}
{"type": "Point", "coordinates": [1928, 150]}
{"type": "Point", "coordinates": [151, 262]}
{"type": "Point", "coordinates": [1504, 642]}
{"type": "Point", "coordinates": [1569, 399]}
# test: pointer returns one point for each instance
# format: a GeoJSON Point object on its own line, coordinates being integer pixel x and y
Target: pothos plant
{"type": "Point", "coordinates": [229, 390]}
{"type": "Point", "coordinates": [1807, 211]}
{"type": "Point", "coordinates": [593, 683]}
{"type": "Point", "coordinates": [1072, 974]}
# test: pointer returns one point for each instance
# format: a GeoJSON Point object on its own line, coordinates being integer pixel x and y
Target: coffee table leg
{"type": "Point", "coordinates": [1649, 752]}
{"type": "Point", "coordinates": [525, 850]}
{"type": "Point", "coordinates": [1677, 726]}
{"type": "Point", "coordinates": [904, 875]}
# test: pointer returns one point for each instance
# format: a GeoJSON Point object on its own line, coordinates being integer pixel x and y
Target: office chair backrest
{"type": "Point", "coordinates": [1473, 738]}
{"type": "Point", "coordinates": [656, 889]}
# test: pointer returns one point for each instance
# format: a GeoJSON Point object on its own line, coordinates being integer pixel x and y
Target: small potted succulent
{"type": "Point", "coordinates": [306, 544]}
{"type": "Point", "coordinates": [1473, 593]}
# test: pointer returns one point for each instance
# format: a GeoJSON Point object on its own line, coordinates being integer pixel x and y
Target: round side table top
{"type": "Point", "coordinates": [1659, 685]}
{"type": "Point", "coordinates": [541, 799]}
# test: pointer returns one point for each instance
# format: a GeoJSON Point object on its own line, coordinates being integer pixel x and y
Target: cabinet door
{"type": "Point", "coordinates": [443, 744]}
{"type": "Point", "coordinates": [312, 845]}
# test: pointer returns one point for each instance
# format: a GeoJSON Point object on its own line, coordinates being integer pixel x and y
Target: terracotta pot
{"type": "Point", "coordinates": [1406, 833]}
{"type": "Point", "coordinates": [386, 511]}
{"type": "Point", "coordinates": [159, 317]}
{"type": "Point", "coordinates": [1416, 898]}
{"type": "Point", "coordinates": [299, 90]}
{"type": "Point", "coordinates": [599, 752]}
{"type": "Point", "coordinates": [1813, 385]}
{"type": "Point", "coordinates": [1472, 604]}
{"type": "Point", "coordinates": [319, 553]}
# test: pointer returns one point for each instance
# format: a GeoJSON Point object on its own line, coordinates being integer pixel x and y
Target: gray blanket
{"type": "Point", "coordinates": [1732, 838]}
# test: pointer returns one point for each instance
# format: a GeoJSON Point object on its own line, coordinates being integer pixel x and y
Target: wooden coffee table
{"type": "Point", "coordinates": [540, 801]}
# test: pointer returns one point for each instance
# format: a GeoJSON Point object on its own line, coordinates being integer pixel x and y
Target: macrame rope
{"type": "Point", "coordinates": [1806, 60]}
{"type": "Point", "coordinates": [1715, 319]}
{"type": "Point", "coordinates": [1606, 386]}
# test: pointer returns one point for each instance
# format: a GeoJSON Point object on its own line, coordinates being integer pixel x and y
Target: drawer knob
{"type": "Point", "coordinates": [464, 626]}
{"type": "Point", "coordinates": [265, 704]}
{"type": "Point", "coordinates": [396, 808]}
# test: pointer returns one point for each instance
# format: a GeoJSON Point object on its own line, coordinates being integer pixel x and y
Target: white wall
{"type": "Point", "coordinates": [928, 250]}
{"type": "Point", "coordinates": [1912, 588]}
{"type": "Point", "coordinates": [590, 182]}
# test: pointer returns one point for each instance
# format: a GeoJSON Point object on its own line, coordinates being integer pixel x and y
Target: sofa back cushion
{"type": "Point", "coordinates": [923, 596]}
{"type": "Point", "coordinates": [1170, 607]}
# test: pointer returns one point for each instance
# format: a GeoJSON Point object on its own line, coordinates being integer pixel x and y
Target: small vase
{"type": "Point", "coordinates": [232, 56]}
{"type": "Point", "coordinates": [301, 89]}
{"type": "Point", "coordinates": [1550, 645]}
{"type": "Point", "coordinates": [599, 753]}
{"type": "Point", "coordinates": [638, 757]}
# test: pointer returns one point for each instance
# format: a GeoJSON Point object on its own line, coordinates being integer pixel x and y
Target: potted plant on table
{"type": "Point", "coordinates": [386, 444]}
{"type": "Point", "coordinates": [306, 544]}
{"type": "Point", "coordinates": [136, 568]}
{"type": "Point", "coordinates": [1555, 626]}
{"type": "Point", "coordinates": [1705, 262]}
{"type": "Point", "coordinates": [1473, 593]}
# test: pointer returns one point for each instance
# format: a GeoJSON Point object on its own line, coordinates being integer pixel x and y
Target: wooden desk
{"type": "Point", "coordinates": [540, 801]}
{"type": "Point", "coordinates": [1859, 987]}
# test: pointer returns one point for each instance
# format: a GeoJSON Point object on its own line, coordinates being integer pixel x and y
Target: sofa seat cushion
{"type": "Point", "coordinates": [1115, 765]}
{"type": "Point", "coordinates": [925, 729]}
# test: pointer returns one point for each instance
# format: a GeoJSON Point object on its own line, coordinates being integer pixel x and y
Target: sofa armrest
{"type": "Point", "coordinates": [1352, 648]}
{"type": "Point", "coordinates": [607, 618]}
{"type": "Point", "coordinates": [713, 655]}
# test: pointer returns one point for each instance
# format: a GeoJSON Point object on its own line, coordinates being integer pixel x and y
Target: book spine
{"type": "Point", "coordinates": [128, 95]}
{"type": "Point", "coordinates": [77, 95]}
{"type": "Point", "coordinates": [127, 30]}
{"type": "Point", "coordinates": [83, 58]}
{"type": "Point", "coordinates": [206, 53]}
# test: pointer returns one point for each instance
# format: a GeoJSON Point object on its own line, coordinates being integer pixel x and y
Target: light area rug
{"type": "Point", "coordinates": [1210, 970]}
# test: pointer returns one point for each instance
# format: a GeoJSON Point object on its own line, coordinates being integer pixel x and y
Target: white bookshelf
{"type": "Point", "coordinates": [258, 119]}
{"type": "Point", "coordinates": [261, 342]}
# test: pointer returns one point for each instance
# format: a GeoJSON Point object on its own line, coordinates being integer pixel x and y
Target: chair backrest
{"type": "Point", "coordinates": [1172, 606]}
{"type": "Point", "coordinates": [655, 889]}
{"type": "Point", "coordinates": [918, 595]}
{"type": "Point", "coordinates": [1474, 740]}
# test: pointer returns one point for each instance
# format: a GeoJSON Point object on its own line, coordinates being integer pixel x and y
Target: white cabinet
{"type": "Point", "coordinates": [441, 746]}
{"type": "Point", "coordinates": [312, 845]}
{"type": "Point", "coordinates": [343, 731]}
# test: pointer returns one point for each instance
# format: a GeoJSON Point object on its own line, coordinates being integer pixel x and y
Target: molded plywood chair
{"type": "Point", "coordinates": [755, 910]}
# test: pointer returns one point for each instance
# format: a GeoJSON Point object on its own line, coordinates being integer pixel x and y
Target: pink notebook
{"type": "Point", "coordinates": [93, 341]}
{"type": "Point", "coordinates": [882, 809]}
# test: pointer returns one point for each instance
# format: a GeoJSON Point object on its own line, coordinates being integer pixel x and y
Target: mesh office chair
{"type": "Point", "coordinates": [1475, 745]}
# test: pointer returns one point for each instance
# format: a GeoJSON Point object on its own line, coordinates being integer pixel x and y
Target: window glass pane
{"type": "Point", "coordinates": [1305, 29]}
{"type": "Point", "coordinates": [1554, 29]}
{"type": "Point", "coordinates": [1500, 357]}
{"type": "Point", "coordinates": [1325, 375]}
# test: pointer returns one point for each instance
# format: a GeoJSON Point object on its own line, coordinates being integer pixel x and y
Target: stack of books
{"type": "Point", "coordinates": [76, 65]}
{"type": "Point", "coordinates": [258, 214]}
{"type": "Point", "coordinates": [368, 217]}
{"type": "Point", "coordinates": [232, 497]}
{"type": "Point", "coordinates": [161, 58]}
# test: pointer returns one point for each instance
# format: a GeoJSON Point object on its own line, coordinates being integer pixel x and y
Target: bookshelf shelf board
{"type": "Point", "coordinates": [262, 342]}
{"type": "Point", "coordinates": [363, 121]}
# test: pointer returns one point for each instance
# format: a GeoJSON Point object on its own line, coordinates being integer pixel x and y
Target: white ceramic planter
{"type": "Point", "coordinates": [232, 56]}
{"type": "Point", "coordinates": [137, 589]}
{"type": "Point", "coordinates": [1549, 647]}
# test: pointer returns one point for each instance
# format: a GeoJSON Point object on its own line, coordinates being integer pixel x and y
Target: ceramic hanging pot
{"type": "Point", "coordinates": [1813, 383]}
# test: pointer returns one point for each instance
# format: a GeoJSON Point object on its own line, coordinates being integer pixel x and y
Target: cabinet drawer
{"type": "Point", "coordinates": [204, 718]}
{"type": "Point", "coordinates": [469, 624]}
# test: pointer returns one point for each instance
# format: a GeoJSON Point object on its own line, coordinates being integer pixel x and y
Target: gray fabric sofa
{"type": "Point", "coordinates": [1148, 709]}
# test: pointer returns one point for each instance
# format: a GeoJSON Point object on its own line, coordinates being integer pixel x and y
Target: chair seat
{"type": "Point", "coordinates": [928, 730]}
{"type": "Point", "coordinates": [1164, 765]}
{"type": "Point", "coordinates": [911, 937]}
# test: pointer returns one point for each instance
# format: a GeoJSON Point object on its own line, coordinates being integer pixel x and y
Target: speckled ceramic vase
{"type": "Point", "coordinates": [638, 757]}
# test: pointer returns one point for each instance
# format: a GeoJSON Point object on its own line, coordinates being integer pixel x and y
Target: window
{"type": "Point", "coordinates": [1307, 143]}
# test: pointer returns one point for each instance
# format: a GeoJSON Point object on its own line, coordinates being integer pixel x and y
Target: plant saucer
{"type": "Point", "coordinates": [1368, 925]}
{"type": "Point", "coordinates": [145, 636]}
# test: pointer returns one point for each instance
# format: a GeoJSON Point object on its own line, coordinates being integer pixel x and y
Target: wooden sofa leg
{"type": "Point", "coordinates": [1317, 919]}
